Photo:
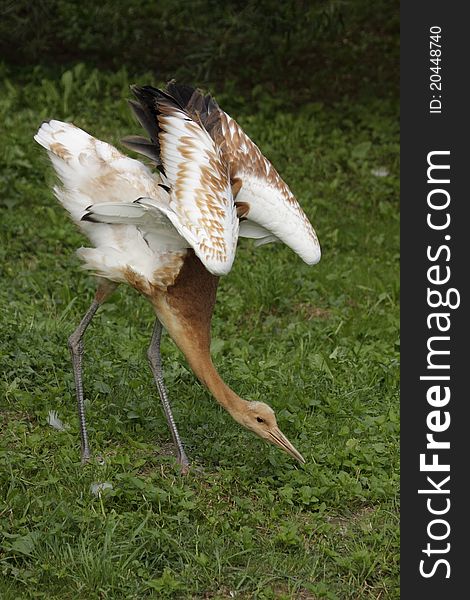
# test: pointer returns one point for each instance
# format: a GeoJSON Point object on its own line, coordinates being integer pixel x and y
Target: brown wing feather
{"type": "Point", "coordinates": [259, 189]}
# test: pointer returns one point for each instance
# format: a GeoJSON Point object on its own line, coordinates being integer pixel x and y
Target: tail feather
{"type": "Point", "coordinates": [143, 146]}
{"type": "Point", "coordinates": [105, 261]}
{"type": "Point", "coordinates": [147, 117]}
{"type": "Point", "coordinates": [146, 110]}
{"type": "Point", "coordinates": [199, 107]}
{"type": "Point", "coordinates": [180, 92]}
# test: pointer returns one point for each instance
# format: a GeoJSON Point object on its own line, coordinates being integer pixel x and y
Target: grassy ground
{"type": "Point", "coordinates": [319, 344]}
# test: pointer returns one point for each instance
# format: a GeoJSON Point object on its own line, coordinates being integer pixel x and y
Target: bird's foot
{"type": "Point", "coordinates": [85, 457]}
{"type": "Point", "coordinates": [88, 458]}
{"type": "Point", "coordinates": [183, 462]}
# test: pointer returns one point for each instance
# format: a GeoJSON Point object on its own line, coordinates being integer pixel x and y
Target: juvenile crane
{"type": "Point", "coordinates": [172, 231]}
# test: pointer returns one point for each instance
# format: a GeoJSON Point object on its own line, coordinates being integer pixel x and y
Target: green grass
{"type": "Point", "coordinates": [319, 344]}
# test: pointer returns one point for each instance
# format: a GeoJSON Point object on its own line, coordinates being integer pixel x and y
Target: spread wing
{"type": "Point", "coordinates": [266, 198]}
{"type": "Point", "coordinates": [201, 201]}
{"type": "Point", "coordinates": [268, 207]}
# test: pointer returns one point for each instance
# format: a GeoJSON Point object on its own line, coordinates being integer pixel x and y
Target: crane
{"type": "Point", "coordinates": [170, 229]}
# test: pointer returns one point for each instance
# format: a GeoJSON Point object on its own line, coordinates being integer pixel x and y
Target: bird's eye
{"type": "Point", "coordinates": [260, 420]}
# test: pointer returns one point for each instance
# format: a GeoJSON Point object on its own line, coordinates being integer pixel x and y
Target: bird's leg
{"type": "Point", "coordinates": [75, 344]}
{"type": "Point", "coordinates": [155, 361]}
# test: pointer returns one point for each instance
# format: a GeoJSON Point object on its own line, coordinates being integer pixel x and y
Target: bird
{"type": "Point", "coordinates": [168, 225]}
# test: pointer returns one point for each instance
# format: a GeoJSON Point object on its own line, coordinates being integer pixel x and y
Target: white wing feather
{"type": "Point", "coordinates": [201, 196]}
{"type": "Point", "coordinates": [271, 203]}
{"type": "Point", "coordinates": [95, 173]}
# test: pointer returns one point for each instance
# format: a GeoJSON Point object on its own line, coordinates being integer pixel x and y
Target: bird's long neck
{"type": "Point", "coordinates": [185, 311]}
{"type": "Point", "coordinates": [204, 369]}
{"type": "Point", "coordinates": [198, 356]}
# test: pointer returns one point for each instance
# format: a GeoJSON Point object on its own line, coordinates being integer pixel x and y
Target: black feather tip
{"type": "Point", "coordinates": [89, 217]}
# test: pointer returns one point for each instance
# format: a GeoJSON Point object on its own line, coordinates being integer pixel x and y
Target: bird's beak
{"type": "Point", "coordinates": [279, 439]}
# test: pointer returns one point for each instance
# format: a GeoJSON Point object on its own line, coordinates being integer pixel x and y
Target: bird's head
{"type": "Point", "coordinates": [260, 418]}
